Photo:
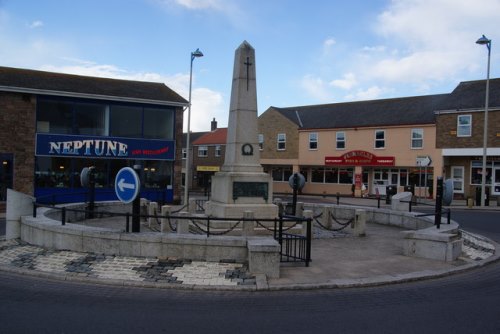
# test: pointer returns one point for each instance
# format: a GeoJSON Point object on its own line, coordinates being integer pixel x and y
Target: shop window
{"type": "Point", "coordinates": [304, 171]}
{"type": "Point", "coordinates": [340, 140]}
{"type": "Point", "coordinates": [421, 177]}
{"type": "Point", "coordinates": [281, 174]}
{"type": "Point", "coordinates": [417, 138]}
{"type": "Point", "coordinates": [403, 177]}
{"type": "Point", "coordinates": [157, 174]}
{"type": "Point", "coordinates": [317, 175]}
{"type": "Point", "coordinates": [53, 172]}
{"type": "Point", "coordinates": [464, 125]}
{"type": "Point", "coordinates": [218, 150]}
{"type": "Point", "coordinates": [203, 151]}
{"type": "Point", "coordinates": [261, 141]}
{"type": "Point", "coordinates": [125, 121]}
{"type": "Point", "coordinates": [158, 123]}
{"type": "Point", "coordinates": [281, 142]}
{"type": "Point", "coordinates": [313, 141]}
{"type": "Point", "coordinates": [477, 172]}
{"type": "Point", "coordinates": [380, 139]}
{"type": "Point", "coordinates": [346, 176]}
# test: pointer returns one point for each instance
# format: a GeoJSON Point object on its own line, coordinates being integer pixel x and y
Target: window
{"type": "Point", "coordinates": [340, 140]}
{"type": "Point", "coordinates": [54, 117]}
{"type": "Point", "coordinates": [332, 175]}
{"type": "Point", "coordinates": [203, 151]}
{"type": "Point", "coordinates": [457, 175]}
{"type": "Point", "coordinates": [417, 138]}
{"type": "Point", "coordinates": [261, 141]}
{"type": "Point", "coordinates": [464, 125]}
{"type": "Point", "coordinates": [476, 176]}
{"type": "Point", "coordinates": [218, 150]}
{"type": "Point", "coordinates": [281, 174]}
{"type": "Point", "coordinates": [158, 123]}
{"type": "Point", "coordinates": [313, 141]}
{"type": "Point", "coordinates": [281, 142]}
{"type": "Point", "coordinates": [91, 119]}
{"type": "Point", "coordinates": [379, 138]}
{"type": "Point", "coordinates": [184, 154]}
{"type": "Point", "coordinates": [125, 121]}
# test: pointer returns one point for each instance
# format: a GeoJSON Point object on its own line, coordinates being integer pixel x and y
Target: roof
{"type": "Point", "coordinates": [472, 94]}
{"type": "Point", "coordinates": [50, 83]}
{"type": "Point", "coordinates": [192, 137]}
{"type": "Point", "coordinates": [386, 112]}
{"type": "Point", "coordinates": [216, 137]}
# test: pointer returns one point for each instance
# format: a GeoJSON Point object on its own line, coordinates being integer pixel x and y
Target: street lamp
{"type": "Point", "coordinates": [195, 54]}
{"type": "Point", "coordinates": [485, 41]}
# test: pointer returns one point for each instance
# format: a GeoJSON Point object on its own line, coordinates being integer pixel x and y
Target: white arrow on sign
{"type": "Point", "coordinates": [123, 185]}
{"type": "Point", "coordinates": [424, 161]}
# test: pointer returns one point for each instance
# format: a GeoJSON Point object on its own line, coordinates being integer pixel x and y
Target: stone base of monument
{"type": "Point", "coordinates": [234, 193]}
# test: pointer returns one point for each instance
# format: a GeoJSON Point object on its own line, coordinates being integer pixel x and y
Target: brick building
{"type": "Point", "coordinates": [460, 128]}
{"type": "Point", "coordinates": [52, 125]}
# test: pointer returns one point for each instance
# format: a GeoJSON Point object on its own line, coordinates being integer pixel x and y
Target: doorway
{"type": "Point", "coordinates": [5, 174]}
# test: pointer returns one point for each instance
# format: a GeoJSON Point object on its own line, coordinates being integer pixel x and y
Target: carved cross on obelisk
{"type": "Point", "coordinates": [247, 63]}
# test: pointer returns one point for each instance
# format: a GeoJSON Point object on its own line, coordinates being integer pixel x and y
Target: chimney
{"type": "Point", "coordinates": [213, 125]}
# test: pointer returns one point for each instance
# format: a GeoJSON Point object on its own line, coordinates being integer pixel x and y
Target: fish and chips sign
{"type": "Point", "coordinates": [359, 158]}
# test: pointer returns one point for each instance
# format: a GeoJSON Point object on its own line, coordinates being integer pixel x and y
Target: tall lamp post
{"type": "Point", "coordinates": [485, 41]}
{"type": "Point", "coordinates": [195, 54]}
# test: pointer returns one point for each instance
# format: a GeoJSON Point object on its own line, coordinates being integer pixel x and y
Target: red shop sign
{"type": "Point", "coordinates": [359, 158]}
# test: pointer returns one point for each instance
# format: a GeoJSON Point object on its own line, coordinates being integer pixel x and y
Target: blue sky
{"type": "Point", "coordinates": [307, 52]}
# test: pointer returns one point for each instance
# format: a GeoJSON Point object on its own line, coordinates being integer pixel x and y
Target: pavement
{"type": "Point", "coordinates": [339, 260]}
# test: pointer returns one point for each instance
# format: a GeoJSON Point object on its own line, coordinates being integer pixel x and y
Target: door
{"type": "Point", "coordinates": [496, 181]}
{"type": "Point", "coordinates": [5, 174]}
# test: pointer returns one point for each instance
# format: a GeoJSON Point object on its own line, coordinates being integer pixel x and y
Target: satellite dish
{"type": "Point", "coordinates": [301, 180]}
{"type": "Point", "coordinates": [447, 192]}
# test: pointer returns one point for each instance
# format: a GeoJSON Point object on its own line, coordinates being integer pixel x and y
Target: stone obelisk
{"type": "Point", "coordinates": [241, 185]}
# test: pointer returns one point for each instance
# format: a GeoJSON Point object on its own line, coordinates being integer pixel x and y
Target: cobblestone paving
{"type": "Point", "coordinates": [165, 270]}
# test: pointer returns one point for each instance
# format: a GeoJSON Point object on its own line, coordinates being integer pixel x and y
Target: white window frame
{"type": "Point", "coordinates": [457, 179]}
{"type": "Point", "coordinates": [218, 150]}
{"type": "Point", "coordinates": [313, 141]}
{"type": "Point", "coordinates": [184, 154]}
{"type": "Point", "coordinates": [261, 141]}
{"type": "Point", "coordinates": [281, 139]}
{"type": "Point", "coordinates": [413, 138]}
{"type": "Point", "coordinates": [338, 141]}
{"type": "Point", "coordinates": [459, 126]}
{"type": "Point", "coordinates": [377, 140]}
{"type": "Point", "coordinates": [202, 151]}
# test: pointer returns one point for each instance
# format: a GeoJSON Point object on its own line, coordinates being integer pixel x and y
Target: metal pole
{"type": "Point", "coordinates": [485, 41]}
{"type": "Point", "coordinates": [439, 202]}
{"type": "Point", "coordinates": [136, 206]}
{"type": "Point", "coordinates": [194, 54]}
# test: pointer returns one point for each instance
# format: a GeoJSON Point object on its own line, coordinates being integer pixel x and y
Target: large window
{"type": "Point", "coordinates": [313, 141]}
{"type": "Point", "coordinates": [379, 139]}
{"type": "Point", "coordinates": [77, 117]}
{"type": "Point", "coordinates": [340, 140]}
{"type": "Point", "coordinates": [281, 174]}
{"type": "Point", "coordinates": [281, 142]}
{"type": "Point", "coordinates": [464, 125]}
{"type": "Point", "coordinates": [332, 175]}
{"type": "Point", "coordinates": [203, 151]}
{"type": "Point", "coordinates": [417, 138]}
{"type": "Point", "coordinates": [476, 174]}
{"type": "Point", "coordinates": [125, 121]}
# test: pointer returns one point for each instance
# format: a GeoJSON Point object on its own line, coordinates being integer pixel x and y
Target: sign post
{"type": "Point", "coordinates": [127, 187]}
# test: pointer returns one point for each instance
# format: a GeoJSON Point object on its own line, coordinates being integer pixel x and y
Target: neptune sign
{"type": "Point", "coordinates": [104, 147]}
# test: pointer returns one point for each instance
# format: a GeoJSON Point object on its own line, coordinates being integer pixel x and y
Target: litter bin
{"type": "Point", "coordinates": [390, 191]}
{"type": "Point", "coordinates": [486, 196]}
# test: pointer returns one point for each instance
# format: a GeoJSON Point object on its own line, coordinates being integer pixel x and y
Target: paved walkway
{"type": "Point", "coordinates": [338, 260]}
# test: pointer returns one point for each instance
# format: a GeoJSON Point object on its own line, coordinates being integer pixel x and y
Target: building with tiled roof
{"type": "Point", "coordinates": [52, 125]}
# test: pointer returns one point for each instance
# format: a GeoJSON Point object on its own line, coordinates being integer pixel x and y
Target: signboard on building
{"type": "Point", "coordinates": [207, 168]}
{"type": "Point", "coordinates": [104, 147]}
{"type": "Point", "coordinates": [359, 158]}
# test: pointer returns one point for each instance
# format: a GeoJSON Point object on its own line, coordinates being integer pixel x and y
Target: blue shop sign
{"type": "Point", "coordinates": [104, 147]}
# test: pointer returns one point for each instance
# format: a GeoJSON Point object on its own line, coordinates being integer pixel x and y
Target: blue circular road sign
{"type": "Point", "coordinates": [127, 185]}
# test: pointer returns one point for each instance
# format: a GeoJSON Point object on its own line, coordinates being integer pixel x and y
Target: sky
{"type": "Point", "coordinates": [307, 52]}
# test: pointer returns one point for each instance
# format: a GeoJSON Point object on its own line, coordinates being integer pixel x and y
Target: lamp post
{"type": "Point", "coordinates": [195, 54]}
{"type": "Point", "coordinates": [485, 41]}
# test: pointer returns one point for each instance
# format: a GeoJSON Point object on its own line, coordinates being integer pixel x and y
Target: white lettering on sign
{"type": "Point", "coordinates": [89, 147]}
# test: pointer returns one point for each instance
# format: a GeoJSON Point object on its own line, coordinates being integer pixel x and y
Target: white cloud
{"type": "Point", "coordinates": [328, 42]}
{"type": "Point", "coordinates": [201, 4]}
{"type": "Point", "coordinates": [372, 93]}
{"type": "Point", "coordinates": [35, 24]}
{"type": "Point", "coordinates": [316, 88]}
{"type": "Point", "coordinates": [347, 82]}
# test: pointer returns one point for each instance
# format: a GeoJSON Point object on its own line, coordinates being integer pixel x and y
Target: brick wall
{"type": "Point", "coordinates": [271, 122]}
{"type": "Point", "coordinates": [211, 159]}
{"type": "Point", "coordinates": [446, 127]}
{"type": "Point", "coordinates": [17, 136]}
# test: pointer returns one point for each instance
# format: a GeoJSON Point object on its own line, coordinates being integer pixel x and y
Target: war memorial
{"type": "Point", "coordinates": [241, 223]}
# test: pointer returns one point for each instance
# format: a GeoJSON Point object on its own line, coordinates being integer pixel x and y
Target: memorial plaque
{"type": "Point", "coordinates": [250, 189]}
